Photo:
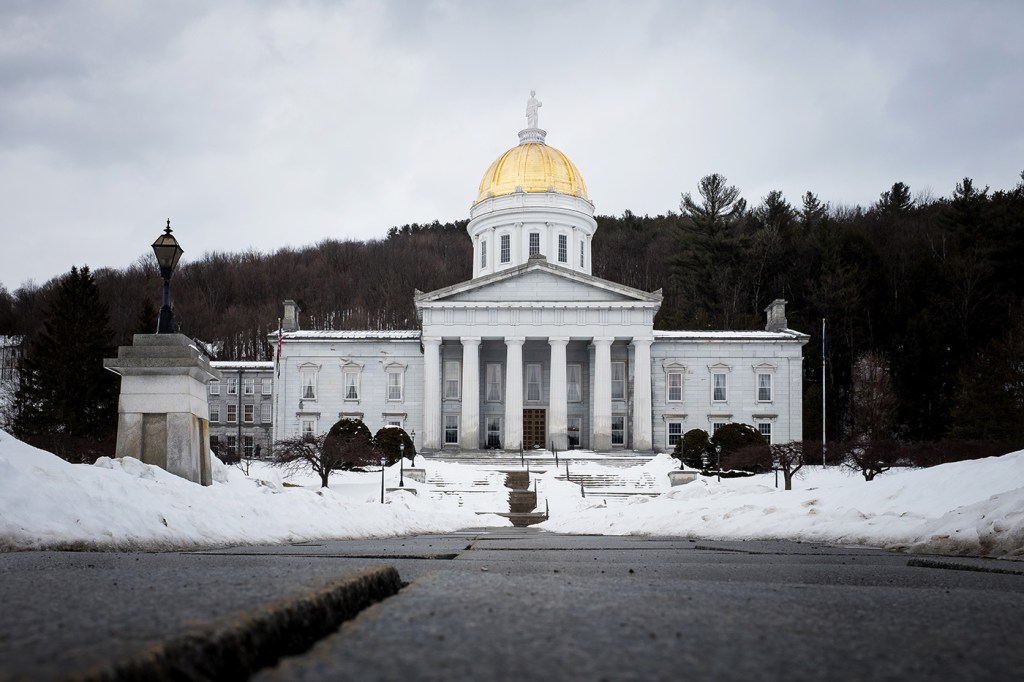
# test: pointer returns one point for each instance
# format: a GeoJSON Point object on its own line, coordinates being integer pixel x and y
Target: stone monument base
{"type": "Point", "coordinates": [163, 412]}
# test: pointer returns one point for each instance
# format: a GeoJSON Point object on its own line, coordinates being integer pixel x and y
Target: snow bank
{"type": "Point", "coordinates": [47, 503]}
{"type": "Point", "coordinates": [974, 507]}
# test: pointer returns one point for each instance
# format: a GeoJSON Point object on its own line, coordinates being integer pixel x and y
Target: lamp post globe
{"type": "Point", "coordinates": [168, 253]}
{"type": "Point", "coordinates": [401, 465]}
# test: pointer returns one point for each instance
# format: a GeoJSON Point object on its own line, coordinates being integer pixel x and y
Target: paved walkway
{"type": "Point", "coordinates": [510, 604]}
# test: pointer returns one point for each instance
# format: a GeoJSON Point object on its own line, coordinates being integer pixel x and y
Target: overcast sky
{"type": "Point", "coordinates": [268, 124]}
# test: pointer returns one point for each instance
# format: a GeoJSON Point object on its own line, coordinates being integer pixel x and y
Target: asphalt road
{"type": "Point", "coordinates": [511, 604]}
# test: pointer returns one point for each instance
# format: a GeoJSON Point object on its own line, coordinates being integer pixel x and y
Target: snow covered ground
{"type": "Point", "coordinates": [45, 503]}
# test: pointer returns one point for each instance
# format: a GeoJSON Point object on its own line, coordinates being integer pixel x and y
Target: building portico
{"type": "Point", "coordinates": [524, 358]}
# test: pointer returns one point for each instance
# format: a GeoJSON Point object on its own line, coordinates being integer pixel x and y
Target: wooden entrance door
{"type": "Point", "coordinates": [534, 428]}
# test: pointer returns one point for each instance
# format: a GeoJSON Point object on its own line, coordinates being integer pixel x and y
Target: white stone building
{"type": "Point", "coordinates": [534, 351]}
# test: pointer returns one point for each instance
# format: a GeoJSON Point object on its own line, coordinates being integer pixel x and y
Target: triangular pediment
{"type": "Point", "coordinates": [538, 282]}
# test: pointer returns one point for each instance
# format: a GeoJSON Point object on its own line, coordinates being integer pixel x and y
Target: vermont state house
{"type": "Point", "coordinates": [534, 351]}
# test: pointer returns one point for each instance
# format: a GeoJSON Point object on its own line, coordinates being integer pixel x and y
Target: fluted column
{"type": "Point", "coordinates": [602, 393]}
{"type": "Point", "coordinates": [514, 392]}
{"type": "Point", "coordinates": [431, 392]}
{"type": "Point", "coordinates": [642, 394]}
{"type": "Point", "coordinates": [469, 438]}
{"type": "Point", "coordinates": [558, 408]}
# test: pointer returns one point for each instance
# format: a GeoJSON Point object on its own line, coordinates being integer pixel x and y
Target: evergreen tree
{"type": "Point", "coordinates": [896, 201]}
{"type": "Point", "coordinates": [67, 401]}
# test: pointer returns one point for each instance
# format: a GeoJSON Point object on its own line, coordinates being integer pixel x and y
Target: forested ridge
{"type": "Point", "coordinates": [931, 288]}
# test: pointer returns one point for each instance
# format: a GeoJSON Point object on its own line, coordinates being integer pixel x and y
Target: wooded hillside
{"type": "Point", "coordinates": [934, 287]}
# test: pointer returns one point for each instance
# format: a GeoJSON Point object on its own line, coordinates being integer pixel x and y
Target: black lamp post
{"type": "Point", "coordinates": [401, 465]}
{"type": "Point", "coordinates": [718, 452]}
{"type": "Point", "coordinates": [382, 478]}
{"type": "Point", "coordinates": [167, 255]}
{"type": "Point", "coordinates": [413, 437]}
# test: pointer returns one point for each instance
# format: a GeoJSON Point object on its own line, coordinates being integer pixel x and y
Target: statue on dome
{"type": "Point", "coordinates": [532, 105]}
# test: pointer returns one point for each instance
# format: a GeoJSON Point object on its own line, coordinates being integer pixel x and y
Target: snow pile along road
{"type": "Point", "coordinates": [47, 503]}
{"type": "Point", "coordinates": [974, 507]}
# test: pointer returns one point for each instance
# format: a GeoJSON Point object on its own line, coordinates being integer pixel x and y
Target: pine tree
{"type": "Point", "coordinates": [67, 401]}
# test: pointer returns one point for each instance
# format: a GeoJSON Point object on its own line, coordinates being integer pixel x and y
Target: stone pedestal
{"type": "Point", "coordinates": [163, 412]}
{"type": "Point", "coordinates": [682, 476]}
{"type": "Point", "coordinates": [414, 474]}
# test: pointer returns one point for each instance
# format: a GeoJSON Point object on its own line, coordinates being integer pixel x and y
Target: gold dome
{"type": "Point", "coordinates": [532, 167]}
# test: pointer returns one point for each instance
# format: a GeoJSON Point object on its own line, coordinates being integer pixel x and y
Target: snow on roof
{"type": "Point", "coordinates": [243, 364]}
{"type": "Point", "coordinates": [352, 334]}
{"type": "Point", "coordinates": [752, 335]}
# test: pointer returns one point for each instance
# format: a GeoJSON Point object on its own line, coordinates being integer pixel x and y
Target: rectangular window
{"type": "Point", "coordinates": [309, 384]}
{"type": "Point", "coordinates": [581, 254]}
{"type": "Point", "coordinates": [534, 243]}
{"type": "Point", "coordinates": [308, 428]}
{"type": "Point", "coordinates": [247, 446]}
{"type": "Point", "coordinates": [764, 387]}
{"type": "Point", "coordinates": [506, 248]}
{"type": "Point", "coordinates": [215, 412]}
{"type": "Point", "coordinates": [563, 248]}
{"type": "Point", "coordinates": [452, 379]}
{"type": "Point", "coordinates": [232, 444]}
{"type": "Point", "coordinates": [575, 425]}
{"type": "Point", "coordinates": [765, 428]}
{"type": "Point", "coordinates": [675, 433]}
{"type": "Point", "coordinates": [451, 429]}
{"type": "Point", "coordinates": [232, 386]}
{"type": "Point", "coordinates": [618, 431]}
{"type": "Point", "coordinates": [249, 386]}
{"type": "Point", "coordinates": [533, 382]}
{"type": "Point", "coordinates": [493, 383]}
{"type": "Point", "coordinates": [395, 385]}
{"type": "Point", "coordinates": [574, 383]}
{"type": "Point", "coordinates": [716, 426]}
{"type": "Point", "coordinates": [232, 413]}
{"type": "Point", "coordinates": [247, 413]}
{"type": "Point", "coordinates": [215, 443]}
{"type": "Point", "coordinates": [483, 254]}
{"type": "Point", "coordinates": [618, 381]}
{"type": "Point", "coordinates": [267, 386]}
{"type": "Point", "coordinates": [719, 393]}
{"type": "Point", "coordinates": [266, 413]}
{"type": "Point", "coordinates": [214, 387]}
{"type": "Point", "coordinates": [351, 384]}
{"type": "Point", "coordinates": [675, 387]}
{"type": "Point", "coordinates": [494, 432]}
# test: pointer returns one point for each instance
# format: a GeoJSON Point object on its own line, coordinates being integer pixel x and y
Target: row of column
{"type": "Point", "coordinates": [558, 404]}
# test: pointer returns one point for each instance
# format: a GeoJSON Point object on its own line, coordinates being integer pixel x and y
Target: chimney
{"type": "Point", "coordinates": [290, 323]}
{"type": "Point", "coordinates": [776, 316]}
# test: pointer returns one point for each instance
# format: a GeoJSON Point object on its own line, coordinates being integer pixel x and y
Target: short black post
{"type": "Point", "coordinates": [382, 479]}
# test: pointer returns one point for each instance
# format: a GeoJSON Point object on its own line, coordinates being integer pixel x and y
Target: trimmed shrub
{"type": "Point", "coordinates": [348, 445]}
{"type": "Point", "coordinates": [743, 447]}
{"type": "Point", "coordinates": [389, 440]}
{"type": "Point", "coordinates": [691, 449]}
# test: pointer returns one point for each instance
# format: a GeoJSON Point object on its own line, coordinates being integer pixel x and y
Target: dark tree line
{"type": "Point", "coordinates": [931, 288]}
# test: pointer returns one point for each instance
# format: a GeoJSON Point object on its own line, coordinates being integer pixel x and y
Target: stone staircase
{"type": "Point", "coordinates": [497, 471]}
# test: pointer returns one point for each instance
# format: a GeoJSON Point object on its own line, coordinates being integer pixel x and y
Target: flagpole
{"type": "Point", "coordinates": [823, 392]}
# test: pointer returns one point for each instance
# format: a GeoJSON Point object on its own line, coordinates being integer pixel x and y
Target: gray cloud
{"type": "Point", "coordinates": [283, 123]}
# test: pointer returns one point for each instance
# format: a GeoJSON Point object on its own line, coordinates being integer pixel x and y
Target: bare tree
{"type": "Point", "coordinates": [789, 458]}
{"type": "Point", "coordinates": [871, 457]}
{"type": "Point", "coordinates": [323, 453]}
{"type": "Point", "coordinates": [873, 402]}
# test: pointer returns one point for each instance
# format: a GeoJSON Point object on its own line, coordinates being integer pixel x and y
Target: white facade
{"type": "Point", "coordinates": [534, 351]}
